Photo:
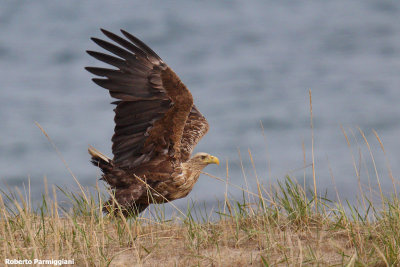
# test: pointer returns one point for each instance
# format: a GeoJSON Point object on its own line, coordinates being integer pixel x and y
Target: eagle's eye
{"type": "Point", "coordinates": [203, 157]}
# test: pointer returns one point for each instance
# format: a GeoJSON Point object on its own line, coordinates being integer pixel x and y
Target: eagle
{"type": "Point", "coordinates": [156, 129]}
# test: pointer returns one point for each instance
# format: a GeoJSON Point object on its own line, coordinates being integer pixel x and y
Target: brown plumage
{"type": "Point", "coordinates": [156, 128]}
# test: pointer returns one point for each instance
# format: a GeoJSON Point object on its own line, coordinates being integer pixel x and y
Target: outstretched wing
{"type": "Point", "coordinates": [195, 128]}
{"type": "Point", "coordinates": [153, 104]}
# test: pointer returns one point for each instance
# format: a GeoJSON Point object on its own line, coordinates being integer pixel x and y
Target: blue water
{"type": "Point", "coordinates": [246, 63]}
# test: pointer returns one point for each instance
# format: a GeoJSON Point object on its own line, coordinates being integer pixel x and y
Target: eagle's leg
{"type": "Point", "coordinates": [127, 210]}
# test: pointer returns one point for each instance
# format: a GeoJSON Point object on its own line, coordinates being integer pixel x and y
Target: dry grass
{"type": "Point", "coordinates": [279, 228]}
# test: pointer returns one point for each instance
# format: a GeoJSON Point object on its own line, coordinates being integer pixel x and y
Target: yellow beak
{"type": "Point", "coordinates": [213, 160]}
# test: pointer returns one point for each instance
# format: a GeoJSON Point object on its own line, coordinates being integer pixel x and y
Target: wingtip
{"type": "Point", "coordinates": [98, 81]}
{"type": "Point", "coordinates": [90, 69]}
{"type": "Point", "coordinates": [90, 52]}
{"type": "Point", "coordinates": [96, 40]}
{"type": "Point", "coordinates": [127, 34]}
{"type": "Point", "coordinates": [104, 31]}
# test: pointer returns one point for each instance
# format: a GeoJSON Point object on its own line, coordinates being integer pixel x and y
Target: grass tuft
{"type": "Point", "coordinates": [280, 227]}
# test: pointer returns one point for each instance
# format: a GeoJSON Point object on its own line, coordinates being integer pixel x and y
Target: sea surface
{"type": "Point", "coordinates": [250, 66]}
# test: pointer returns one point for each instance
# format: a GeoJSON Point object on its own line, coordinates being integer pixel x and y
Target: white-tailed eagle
{"type": "Point", "coordinates": [156, 127]}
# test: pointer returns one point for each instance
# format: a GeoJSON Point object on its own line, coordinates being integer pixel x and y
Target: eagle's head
{"type": "Point", "coordinates": [203, 159]}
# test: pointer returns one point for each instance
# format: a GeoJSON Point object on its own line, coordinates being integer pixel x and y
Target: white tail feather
{"type": "Point", "coordinates": [95, 153]}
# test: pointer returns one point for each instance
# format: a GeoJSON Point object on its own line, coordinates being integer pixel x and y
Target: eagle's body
{"type": "Point", "coordinates": [157, 127]}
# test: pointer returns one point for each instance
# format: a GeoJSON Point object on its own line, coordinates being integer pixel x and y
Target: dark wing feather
{"type": "Point", "coordinates": [153, 104]}
{"type": "Point", "coordinates": [195, 128]}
